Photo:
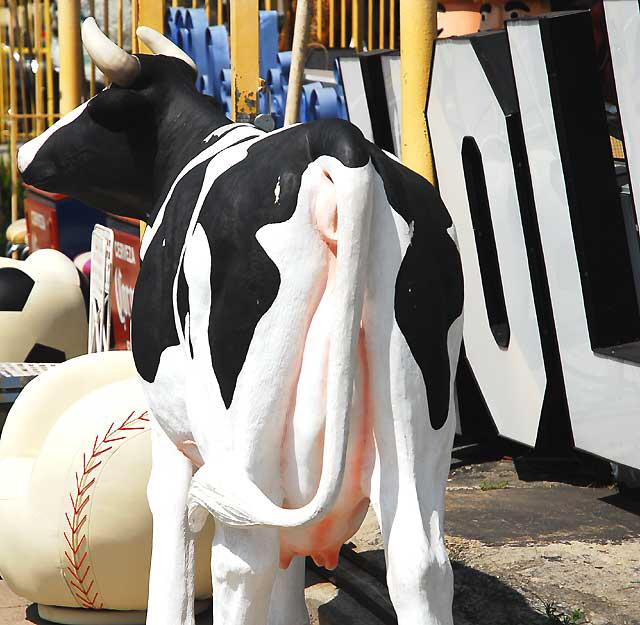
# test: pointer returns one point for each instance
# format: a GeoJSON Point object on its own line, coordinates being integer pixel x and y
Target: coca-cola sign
{"type": "Point", "coordinates": [126, 265]}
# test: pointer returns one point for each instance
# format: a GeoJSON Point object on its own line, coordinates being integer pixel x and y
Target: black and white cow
{"type": "Point", "coordinates": [296, 326]}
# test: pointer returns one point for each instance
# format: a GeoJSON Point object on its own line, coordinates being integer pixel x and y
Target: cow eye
{"type": "Point", "coordinates": [15, 287]}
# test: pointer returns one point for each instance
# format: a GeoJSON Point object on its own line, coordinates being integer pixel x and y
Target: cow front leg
{"type": "Point", "coordinates": [287, 606]}
{"type": "Point", "coordinates": [171, 580]}
{"type": "Point", "coordinates": [244, 562]}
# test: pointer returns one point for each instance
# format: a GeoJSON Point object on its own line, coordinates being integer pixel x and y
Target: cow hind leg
{"type": "Point", "coordinates": [244, 562]}
{"type": "Point", "coordinates": [287, 606]}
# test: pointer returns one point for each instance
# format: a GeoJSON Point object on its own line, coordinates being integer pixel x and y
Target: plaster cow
{"type": "Point", "coordinates": [296, 327]}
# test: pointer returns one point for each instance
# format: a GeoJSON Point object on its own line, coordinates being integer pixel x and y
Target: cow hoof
{"type": "Point", "coordinates": [197, 516]}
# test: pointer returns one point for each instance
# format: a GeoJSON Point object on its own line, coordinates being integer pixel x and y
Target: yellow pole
{"type": "Point", "coordinates": [3, 84]}
{"type": "Point", "coordinates": [332, 23]}
{"type": "Point", "coordinates": [135, 21]}
{"type": "Point", "coordinates": [392, 24]}
{"type": "Point", "coordinates": [207, 9]}
{"type": "Point", "coordinates": [319, 19]}
{"type": "Point", "coordinates": [355, 24]}
{"type": "Point", "coordinates": [105, 17]}
{"type": "Point", "coordinates": [381, 35]}
{"type": "Point", "coordinates": [149, 13]}
{"type": "Point", "coordinates": [92, 67]}
{"type": "Point", "coordinates": [343, 23]}
{"type": "Point", "coordinates": [49, 62]}
{"type": "Point", "coordinates": [417, 34]}
{"type": "Point", "coordinates": [13, 103]}
{"type": "Point", "coordinates": [370, 24]}
{"type": "Point", "coordinates": [70, 54]}
{"type": "Point", "coordinates": [120, 32]}
{"type": "Point", "coordinates": [220, 13]}
{"type": "Point", "coordinates": [244, 60]}
{"type": "Point", "coordinates": [37, 27]}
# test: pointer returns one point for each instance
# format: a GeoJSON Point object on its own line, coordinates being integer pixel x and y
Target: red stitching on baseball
{"type": "Point", "coordinates": [76, 555]}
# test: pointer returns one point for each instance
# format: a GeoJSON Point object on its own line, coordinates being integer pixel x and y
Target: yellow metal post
{"type": "Point", "coordinates": [417, 34]}
{"type": "Point", "coordinates": [219, 13]}
{"type": "Point", "coordinates": [4, 83]}
{"type": "Point", "coordinates": [319, 19]}
{"type": "Point", "coordinates": [382, 23]}
{"type": "Point", "coordinates": [92, 67]}
{"type": "Point", "coordinates": [392, 24]}
{"type": "Point", "coordinates": [332, 23]}
{"type": "Point", "coordinates": [343, 23]}
{"type": "Point", "coordinates": [70, 55]}
{"type": "Point", "coordinates": [149, 13]}
{"type": "Point", "coordinates": [244, 59]}
{"type": "Point", "coordinates": [355, 24]}
{"type": "Point", "coordinates": [37, 37]}
{"type": "Point", "coordinates": [49, 62]}
{"type": "Point", "coordinates": [119, 31]}
{"type": "Point", "coordinates": [13, 103]}
{"type": "Point", "coordinates": [370, 25]}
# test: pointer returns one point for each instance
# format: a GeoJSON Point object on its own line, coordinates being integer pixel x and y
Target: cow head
{"type": "Point", "coordinates": [116, 151]}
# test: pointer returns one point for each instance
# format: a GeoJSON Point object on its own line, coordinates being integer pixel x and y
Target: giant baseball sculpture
{"type": "Point", "coordinates": [296, 327]}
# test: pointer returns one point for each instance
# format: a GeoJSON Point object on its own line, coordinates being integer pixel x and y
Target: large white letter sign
{"type": "Point", "coordinates": [483, 179]}
{"type": "Point", "coordinates": [582, 230]}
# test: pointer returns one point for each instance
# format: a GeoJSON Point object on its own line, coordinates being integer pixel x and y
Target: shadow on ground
{"type": "Point", "coordinates": [479, 598]}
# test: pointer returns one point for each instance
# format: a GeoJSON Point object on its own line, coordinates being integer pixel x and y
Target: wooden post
{"type": "Point", "coordinates": [298, 55]}
{"type": "Point", "coordinates": [417, 34]}
{"type": "Point", "coordinates": [245, 68]}
{"type": "Point", "coordinates": [70, 55]}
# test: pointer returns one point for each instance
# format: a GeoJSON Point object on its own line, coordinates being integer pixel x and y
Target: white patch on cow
{"type": "Point", "coordinates": [28, 151]}
{"type": "Point", "coordinates": [241, 132]}
{"type": "Point", "coordinates": [276, 191]}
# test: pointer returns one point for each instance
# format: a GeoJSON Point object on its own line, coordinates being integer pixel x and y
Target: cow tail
{"type": "Point", "coordinates": [240, 502]}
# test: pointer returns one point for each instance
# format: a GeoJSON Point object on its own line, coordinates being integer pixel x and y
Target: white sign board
{"type": "Point", "coordinates": [100, 289]}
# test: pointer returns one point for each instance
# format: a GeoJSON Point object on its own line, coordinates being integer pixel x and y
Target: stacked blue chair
{"type": "Point", "coordinates": [208, 46]}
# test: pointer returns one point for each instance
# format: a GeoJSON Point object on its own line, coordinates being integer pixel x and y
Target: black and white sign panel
{"type": "Point", "coordinates": [476, 178]}
{"type": "Point", "coordinates": [563, 135]}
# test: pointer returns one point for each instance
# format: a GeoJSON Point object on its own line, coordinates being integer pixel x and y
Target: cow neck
{"type": "Point", "coordinates": [180, 139]}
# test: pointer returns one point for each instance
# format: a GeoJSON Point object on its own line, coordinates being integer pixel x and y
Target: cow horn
{"type": "Point", "coordinates": [159, 44]}
{"type": "Point", "coordinates": [120, 66]}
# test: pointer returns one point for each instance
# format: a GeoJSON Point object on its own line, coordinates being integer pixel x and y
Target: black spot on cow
{"type": "Point", "coordinates": [245, 282]}
{"type": "Point", "coordinates": [429, 287]}
{"type": "Point", "coordinates": [15, 288]}
{"type": "Point", "coordinates": [154, 288]}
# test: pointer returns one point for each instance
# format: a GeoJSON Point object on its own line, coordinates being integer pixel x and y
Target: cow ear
{"type": "Point", "coordinates": [116, 108]}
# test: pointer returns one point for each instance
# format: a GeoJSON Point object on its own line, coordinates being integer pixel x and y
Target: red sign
{"type": "Point", "coordinates": [126, 266]}
{"type": "Point", "coordinates": [42, 223]}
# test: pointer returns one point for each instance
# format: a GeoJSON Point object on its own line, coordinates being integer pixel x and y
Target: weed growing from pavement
{"type": "Point", "coordinates": [558, 616]}
{"type": "Point", "coordinates": [493, 484]}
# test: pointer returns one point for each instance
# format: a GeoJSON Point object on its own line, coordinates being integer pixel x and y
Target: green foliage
{"type": "Point", "coordinates": [558, 617]}
{"type": "Point", "coordinates": [493, 484]}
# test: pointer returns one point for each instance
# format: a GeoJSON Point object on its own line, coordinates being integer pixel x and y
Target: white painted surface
{"type": "Point", "coordinates": [602, 393]}
{"type": "Point", "coordinates": [355, 95]}
{"type": "Point", "coordinates": [462, 103]}
{"type": "Point", "coordinates": [393, 91]}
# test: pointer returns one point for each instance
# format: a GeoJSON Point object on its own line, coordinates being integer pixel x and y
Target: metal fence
{"type": "Point", "coordinates": [29, 85]}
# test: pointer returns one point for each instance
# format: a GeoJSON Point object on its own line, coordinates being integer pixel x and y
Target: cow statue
{"type": "Point", "coordinates": [296, 326]}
